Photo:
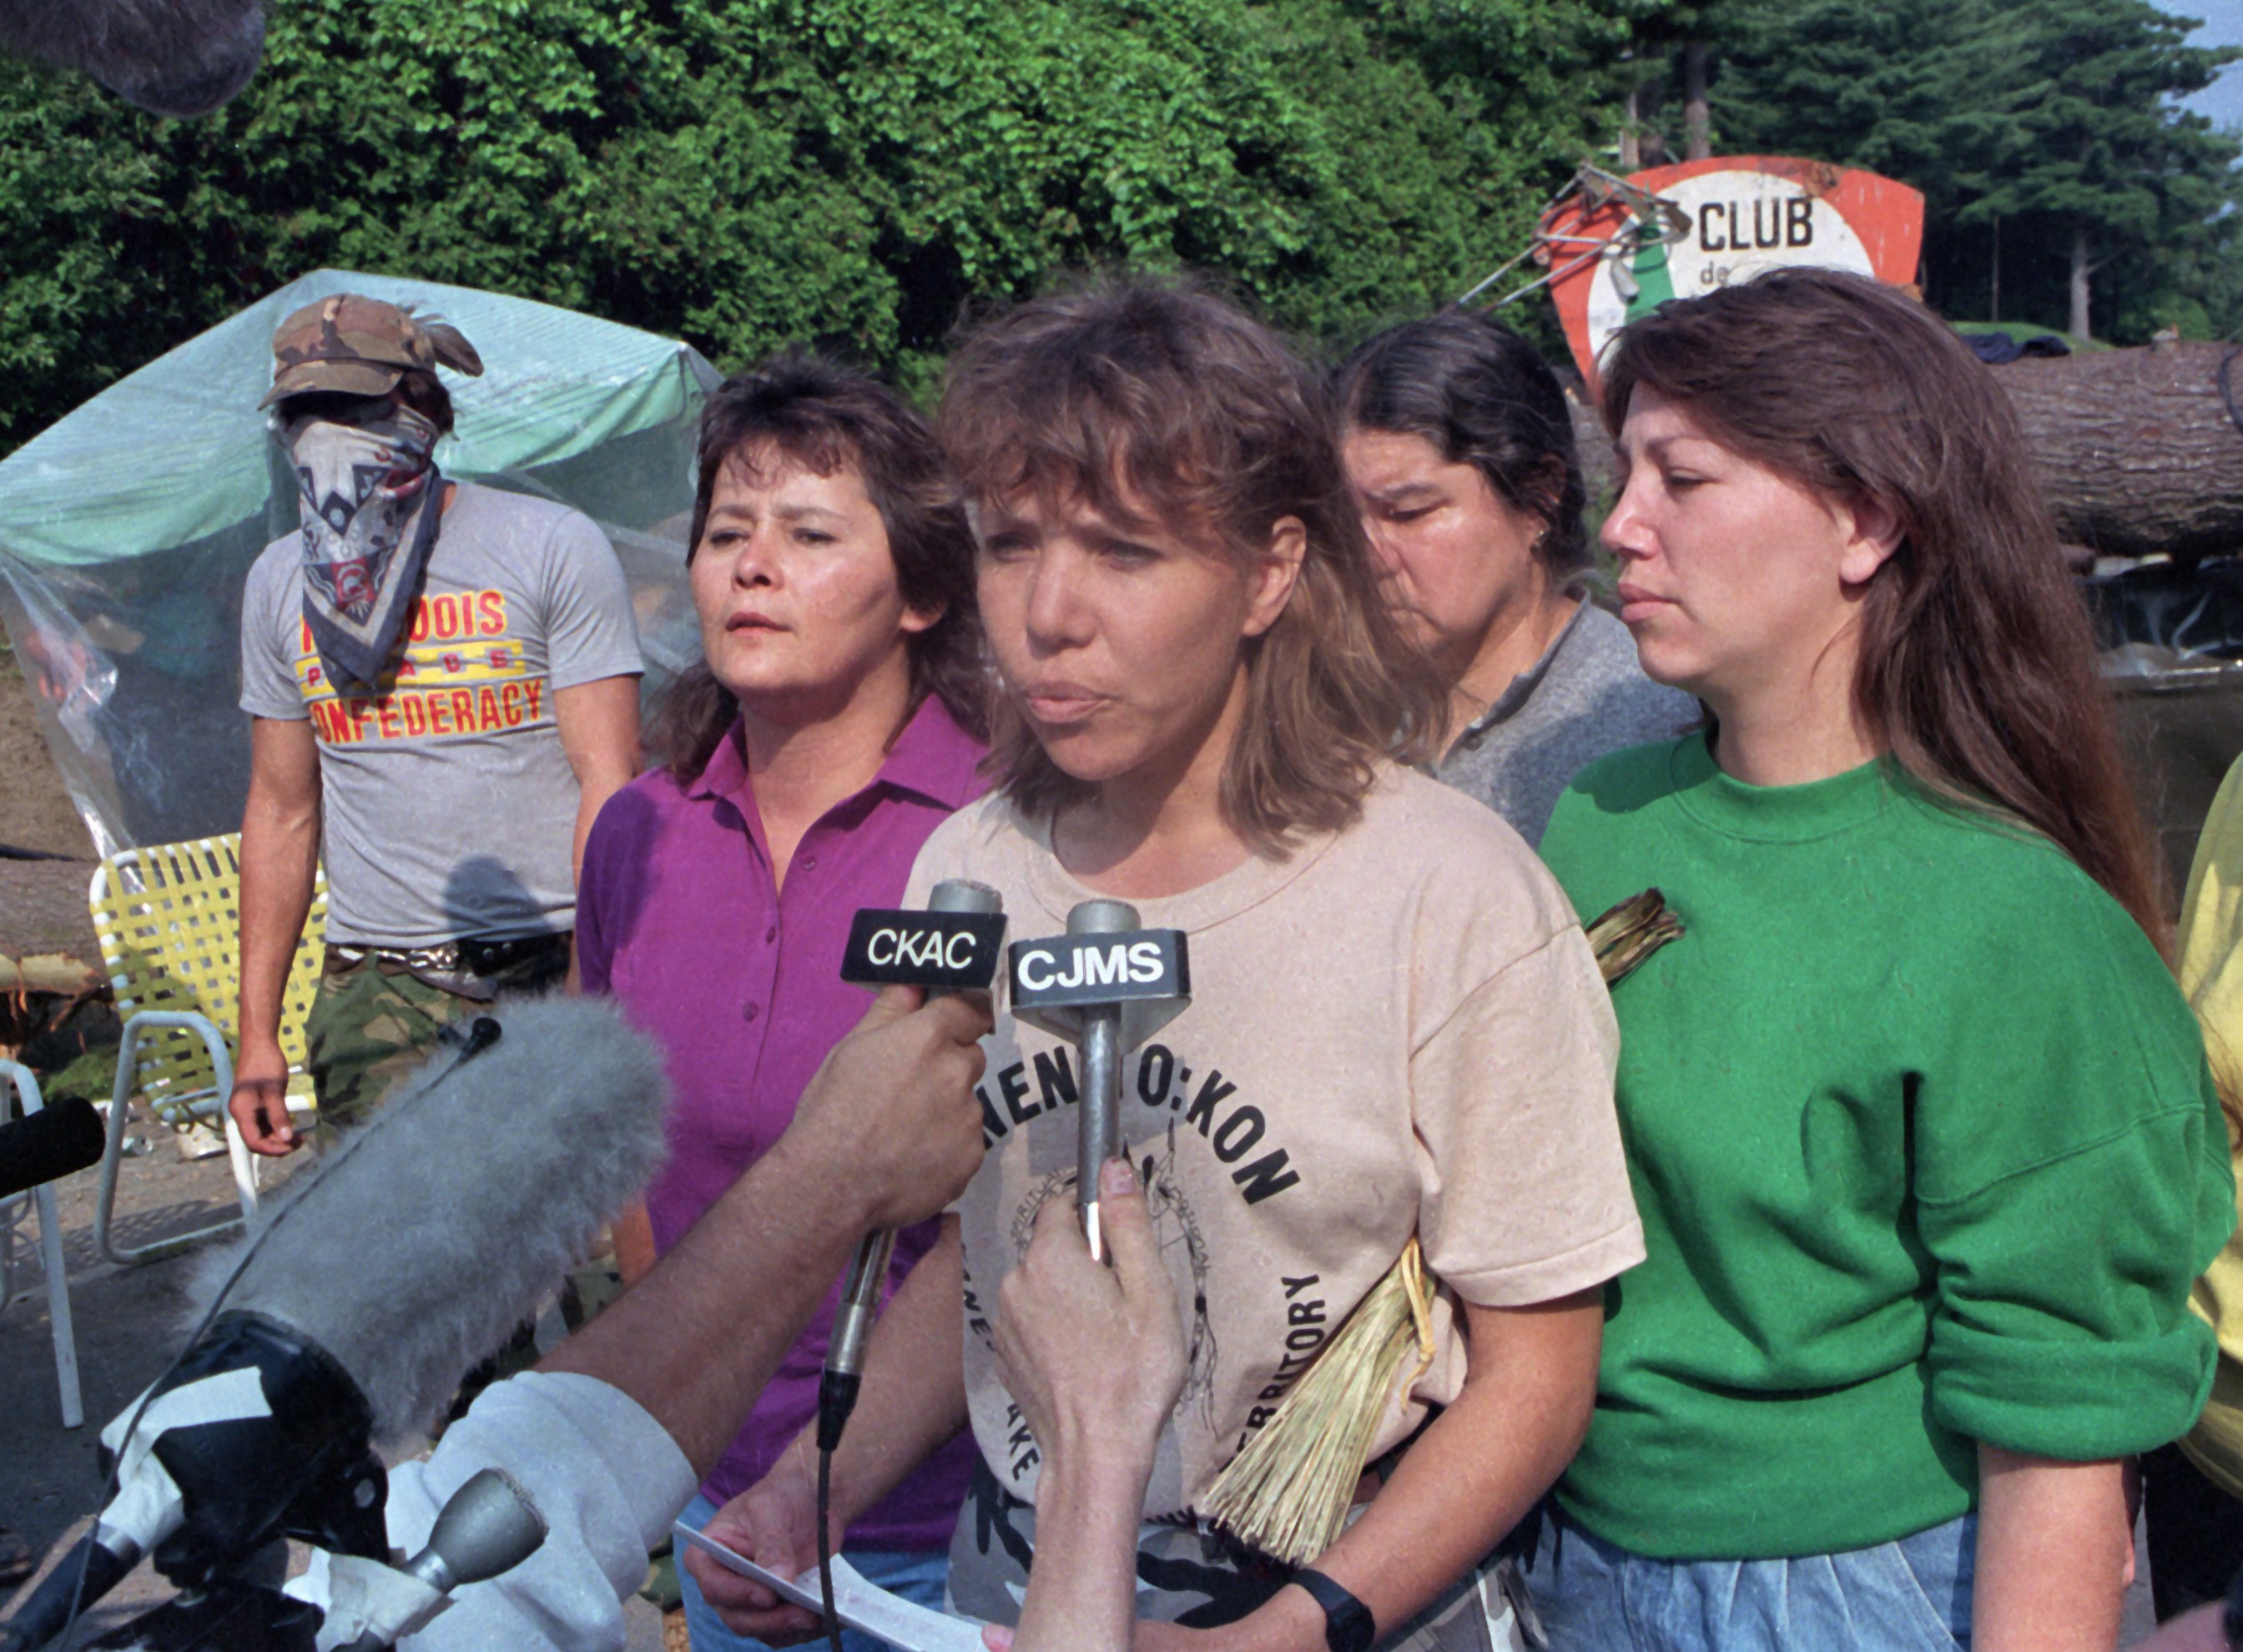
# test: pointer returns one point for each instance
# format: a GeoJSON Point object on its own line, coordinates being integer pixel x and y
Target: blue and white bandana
{"type": "Point", "coordinates": [370, 496]}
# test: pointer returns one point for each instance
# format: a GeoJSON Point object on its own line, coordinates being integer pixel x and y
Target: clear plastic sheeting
{"type": "Point", "coordinates": [127, 529]}
{"type": "Point", "coordinates": [2158, 616]}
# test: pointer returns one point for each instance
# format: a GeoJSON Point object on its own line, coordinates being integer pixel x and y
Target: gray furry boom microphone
{"type": "Point", "coordinates": [368, 1289]}
{"type": "Point", "coordinates": [426, 1238]}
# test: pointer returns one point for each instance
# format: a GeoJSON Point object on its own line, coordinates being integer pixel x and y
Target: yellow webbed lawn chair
{"type": "Point", "coordinates": [170, 925]}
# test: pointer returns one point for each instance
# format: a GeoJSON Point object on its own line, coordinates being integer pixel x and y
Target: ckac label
{"type": "Point", "coordinates": [946, 950]}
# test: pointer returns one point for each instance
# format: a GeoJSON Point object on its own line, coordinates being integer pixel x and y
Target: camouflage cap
{"type": "Point", "coordinates": [362, 347]}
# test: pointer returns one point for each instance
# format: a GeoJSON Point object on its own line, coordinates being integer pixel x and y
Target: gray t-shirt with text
{"type": "Point", "coordinates": [448, 806]}
{"type": "Point", "coordinates": [1586, 696]}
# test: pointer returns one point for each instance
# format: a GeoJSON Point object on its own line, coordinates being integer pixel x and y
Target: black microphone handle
{"type": "Point", "coordinates": [44, 1615]}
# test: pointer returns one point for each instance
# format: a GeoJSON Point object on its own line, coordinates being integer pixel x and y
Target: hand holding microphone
{"type": "Point", "coordinates": [1095, 1358]}
{"type": "Point", "coordinates": [1094, 1355]}
{"type": "Point", "coordinates": [886, 1133]}
{"type": "Point", "coordinates": [889, 1120]}
{"type": "Point", "coordinates": [951, 945]}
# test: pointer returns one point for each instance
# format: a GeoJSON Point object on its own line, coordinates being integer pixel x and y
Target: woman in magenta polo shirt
{"type": "Point", "coordinates": [836, 725]}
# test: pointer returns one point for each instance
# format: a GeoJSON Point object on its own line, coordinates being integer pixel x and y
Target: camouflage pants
{"type": "Point", "coordinates": [374, 1021]}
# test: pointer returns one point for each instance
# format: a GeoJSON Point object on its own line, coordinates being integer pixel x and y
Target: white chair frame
{"type": "Point", "coordinates": [51, 1260]}
{"type": "Point", "coordinates": [244, 1172]}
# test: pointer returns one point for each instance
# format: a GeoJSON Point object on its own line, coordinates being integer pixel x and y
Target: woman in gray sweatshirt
{"type": "Point", "coordinates": [1460, 451]}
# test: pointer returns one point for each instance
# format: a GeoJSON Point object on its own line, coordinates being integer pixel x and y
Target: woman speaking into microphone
{"type": "Point", "coordinates": [1397, 1032]}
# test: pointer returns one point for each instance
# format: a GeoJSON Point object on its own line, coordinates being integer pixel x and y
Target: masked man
{"type": "Point", "coordinates": [443, 678]}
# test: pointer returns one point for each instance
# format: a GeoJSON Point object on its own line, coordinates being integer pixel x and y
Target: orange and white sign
{"type": "Point", "coordinates": [1737, 215]}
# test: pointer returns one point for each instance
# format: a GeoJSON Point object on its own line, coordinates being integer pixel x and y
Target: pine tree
{"type": "Point", "coordinates": [2042, 134]}
{"type": "Point", "coordinates": [2113, 166]}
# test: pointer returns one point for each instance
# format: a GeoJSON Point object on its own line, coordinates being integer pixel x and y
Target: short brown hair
{"type": "Point", "coordinates": [825, 416]}
{"type": "Point", "coordinates": [1976, 664]}
{"type": "Point", "coordinates": [1165, 394]}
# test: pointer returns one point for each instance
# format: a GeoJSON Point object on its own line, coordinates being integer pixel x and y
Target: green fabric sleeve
{"type": "Point", "coordinates": [2072, 1179]}
{"type": "Point", "coordinates": [2042, 1345]}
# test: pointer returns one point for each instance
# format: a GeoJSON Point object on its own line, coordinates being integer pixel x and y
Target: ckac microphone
{"type": "Point", "coordinates": [951, 945]}
{"type": "Point", "coordinates": [1109, 985]}
{"type": "Point", "coordinates": [367, 1290]}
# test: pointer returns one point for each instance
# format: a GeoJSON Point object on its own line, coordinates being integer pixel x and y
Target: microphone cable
{"type": "Point", "coordinates": [836, 1399]}
{"type": "Point", "coordinates": [825, 1547]}
{"type": "Point", "coordinates": [480, 1036]}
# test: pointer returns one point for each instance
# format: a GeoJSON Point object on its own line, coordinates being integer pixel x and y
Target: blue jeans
{"type": "Point", "coordinates": [915, 1574]}
{"type": "Point", "coordinates": [1913, 1593]}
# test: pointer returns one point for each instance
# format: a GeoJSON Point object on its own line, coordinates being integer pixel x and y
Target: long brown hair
{"type": "Point", "coordinates": [1164, 394]}
{"type": "Point", "coordinates": [825, 416]}
{"type": "Point", "coordinates": [1976, 665]}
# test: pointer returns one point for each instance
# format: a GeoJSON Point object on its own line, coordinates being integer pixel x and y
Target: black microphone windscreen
{"type": "Point", "coordinates": [60, 1138]}
{"type": "Point", "coordinates": [434, 1230]}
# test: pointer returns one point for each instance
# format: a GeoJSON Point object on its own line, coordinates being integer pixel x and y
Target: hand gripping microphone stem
{"type": "Point", "coordinates": [886, 949]}
{"type": "Point", "coordinates": [958, 949]}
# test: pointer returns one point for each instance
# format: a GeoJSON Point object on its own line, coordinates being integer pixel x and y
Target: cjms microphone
{"type": "Point", "coordinates": [1109, 985]}
{"type": "Point", "coordinates": [951, 945]}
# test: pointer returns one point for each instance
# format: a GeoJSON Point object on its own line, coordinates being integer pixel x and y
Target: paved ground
{"type": "Point", "coordinates": [43, 908]}
{"type": "Point", "coordinates": [35, 812]}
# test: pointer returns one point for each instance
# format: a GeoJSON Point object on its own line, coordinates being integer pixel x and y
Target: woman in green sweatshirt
{"type": "Point", "coordinates": [1919, 1124]}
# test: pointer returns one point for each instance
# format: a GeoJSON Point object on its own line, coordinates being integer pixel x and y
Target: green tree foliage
{"type": "Point", "coordinates": [2042, 132]}
{"type": "Point", "coordinates": [741, 172]}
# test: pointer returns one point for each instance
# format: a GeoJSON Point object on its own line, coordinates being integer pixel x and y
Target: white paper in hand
{"type": "Point", "coordinates": [861, 1606]}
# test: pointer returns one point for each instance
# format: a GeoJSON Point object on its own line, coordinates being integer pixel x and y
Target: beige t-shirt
{"type": "Point", "coordinates": [1398, 1028]}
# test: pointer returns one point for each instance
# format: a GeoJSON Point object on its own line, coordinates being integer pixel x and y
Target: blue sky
{"type": "Point", "coordinates": [2223, 26]}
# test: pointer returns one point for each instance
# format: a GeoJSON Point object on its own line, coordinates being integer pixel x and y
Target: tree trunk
{"type": "Point", "coordinates": [1697, 127]}
{"type": "Point", "coordinates": [2083, 269]}
{"type": "Point", "coordinates": [1994, 301]}
{"type": "Point", "coordinates": [1631, 152]}
{"type": "Point", "coordinates": [2135, 449]}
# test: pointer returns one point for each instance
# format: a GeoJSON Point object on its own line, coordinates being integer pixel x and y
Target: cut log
{"type": "Point", "coordinates": [2136, 450]}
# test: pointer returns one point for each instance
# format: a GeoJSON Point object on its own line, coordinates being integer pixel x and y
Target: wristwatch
{"type": "Point", "coordinates": [1348, 1627]}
